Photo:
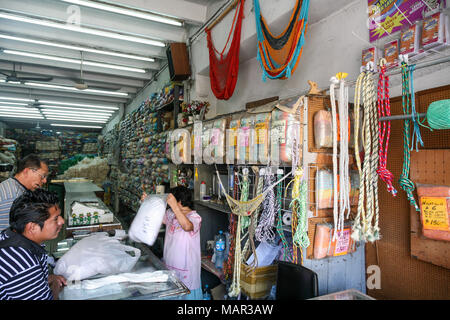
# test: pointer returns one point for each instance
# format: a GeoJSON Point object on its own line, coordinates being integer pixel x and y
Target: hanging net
{"type": "Point", "coordinates": [224, 68]}
{"type": "Point", "coordinates": [280, 55]}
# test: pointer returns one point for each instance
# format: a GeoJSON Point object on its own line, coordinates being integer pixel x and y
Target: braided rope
{"type": "Point", "coordinates": [344, 192]}
{"type": "Point", "coordinates": [245, 221]}
{"type": "Point", "coordinates": [357, 224]}
{"type": "Point", "coordinates": [264, 230]}
{"type": "Point", "coordinates": [373, 233]}
{"type": "Point", "coordinates": [406, 184]}
{"type": "Point", "coordinates": [334, 81]}
{"type": "Point", "coordinates": [384, 109]}
{"type": "Point", "coordinates": [298, 204]}
{"type": "Point", "coordinates": [228, 270]}
{"type": "Point", "coordinates": [280, 220]}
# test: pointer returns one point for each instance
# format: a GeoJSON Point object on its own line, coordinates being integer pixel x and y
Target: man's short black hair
{"type": "Point", "coordinates": [184, 195]}
{"type": "Point", "coordinates": [29, 161]}
{"type": "Point", "coordinates": [31, 206]}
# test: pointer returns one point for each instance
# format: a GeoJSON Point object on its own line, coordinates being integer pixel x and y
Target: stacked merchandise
{"type": "Point", "coordinates": [71, 142]}
{"type": "Point", "coordinates": [95, 169]}
{"type": "Point", "coordinates": [109, 149]}
{"type": "Point", "coordinates": [26, 138]}
{"type": "Point", "coordinates": [143, 159]}
{"type": "Point", "coordinates": [8, 151]}
{"type": "Point", "coordinates": [48, 148]}
{"type": "Point", "coordinates": [90, 143]}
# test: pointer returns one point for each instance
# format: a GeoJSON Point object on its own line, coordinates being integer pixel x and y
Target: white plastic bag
{"type": "Point", "coordinates": [145, 226]}
{"type": "Point", "coordinates": [96, 254]}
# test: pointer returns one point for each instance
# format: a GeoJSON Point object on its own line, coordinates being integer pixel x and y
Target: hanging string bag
{"type": "Point", "coordinates": [279, 56]}
{"type": "Point", "coordinates": [224, 68]}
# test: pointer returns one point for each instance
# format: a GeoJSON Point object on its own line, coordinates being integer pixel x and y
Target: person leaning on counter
{"type": "Point", "coordinates": [35, 217]}
{"type": "Point", "coordinates": [31, 174]}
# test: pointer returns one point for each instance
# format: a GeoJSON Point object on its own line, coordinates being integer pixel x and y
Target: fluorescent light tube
{"type": "Point", "coordinates": [75, 119]}
{"type": "Point", "coordinates": [73, 125]}
{"type": "Point", "coordinates": [59, 108]}
{"type": "Point", "coordinates": [72, 27]}
{"type": "Point", "coordinates": [76, 114]}
{"type": "Point", "coordinates": [20, 116]}
{"type": "Point", "coordinates": [16, 99]}
{"type": "Point", "coordinates": [125, 11]}
{"type": "Point", "coordinates": [77, 104]}
{"type": "Point", "coordinates": [69, 60]}
{"type": "Point", "coordinates": [19, 109]}
{"type": "Point", "coordinates": [13, 103]}
{"type": "Point", "coordinates": [78, 48]}
{"type": "Point", "coordinates": [54, 86]}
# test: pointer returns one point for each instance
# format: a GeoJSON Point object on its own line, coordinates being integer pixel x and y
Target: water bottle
{"type": "Point", "coordinates": [220, 250]}
{"type": "Point", "coordinates": [206, 293]}
{"type": "Point", "coordinates": [202, 190]}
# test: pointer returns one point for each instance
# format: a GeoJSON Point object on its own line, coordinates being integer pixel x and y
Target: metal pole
{"type": "Point", "coordinates": [402, 117]}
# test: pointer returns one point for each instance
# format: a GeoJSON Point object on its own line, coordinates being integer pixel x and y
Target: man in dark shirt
{"type": "Point", "coordinates": [35, 217]}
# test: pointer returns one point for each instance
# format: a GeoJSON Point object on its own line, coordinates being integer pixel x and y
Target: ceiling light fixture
{"type": "Point", "coordinates": [13, 103]}
{"type": "Point", "coordinates": [129, 12]}
{"type": "Point", "coordinates": [12, 115]}
{"type": "Point", "coordinates": [52, 102]}
{"type": "Point", "coordinates": [54, 86]}
{"type": "Point", "coordinates": [75, 114]}
{"type": "Point", "coordinates": [73, 125]}
{"type": "Point", "coordinates": [16, 99]}
{"type": "Point", "coordinates": [74, 61]}
{"type": "Point", "coordinates": [97, 111]}
{"type": "Point", "coordinates": [18, 109]}
{"type": "Point", "coordinates": [77, 48]}
{"type": "Point", "coordinates": [77, 28]}
{"type": "Point", "coordinates": [75, 119]}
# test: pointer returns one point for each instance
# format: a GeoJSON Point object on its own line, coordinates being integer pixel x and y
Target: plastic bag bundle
{"type": "Point", "coordinates": [145, 226]}
{"type": "Point", "coordinates": [323, 134]}
{"type": "Point", "coordinates": [96, 254]}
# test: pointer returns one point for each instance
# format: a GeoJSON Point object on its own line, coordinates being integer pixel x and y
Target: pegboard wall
{"type": "Point", "coordinates": [402, 276]}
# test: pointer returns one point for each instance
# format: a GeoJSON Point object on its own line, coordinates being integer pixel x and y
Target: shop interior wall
{"type": "Point", "coordinates": [402, 276]}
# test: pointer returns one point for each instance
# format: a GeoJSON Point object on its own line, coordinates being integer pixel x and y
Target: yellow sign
{"type": "Point", "coordinates": [434, 213]}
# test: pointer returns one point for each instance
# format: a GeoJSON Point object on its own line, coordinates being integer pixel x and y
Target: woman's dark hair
{"type": "Point", "coordinates": [184, 195]}
{"type": "Point", "coordinates": [31, 206]}
{"type": "Point", "coordinates": [30, 161]}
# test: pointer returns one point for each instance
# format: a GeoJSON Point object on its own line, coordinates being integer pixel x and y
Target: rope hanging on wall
{"type": "Point", "coordinates": [224, 69]}
{"type": "Point", "coordinates": [264, 230]}
{"type": "Point", "coordinates": [232, 229]}
{"type": "Point", "coordinates": [280, 230]}
{"type": "Point", "coordinates": [279, 56]}
{"type": "Point", "coordinates": [438, 114]}
{"type": "Point", "coordinates": [368, 209]}
{"type": "Point", "coordinates": [408, 106]}
{"type": "Point", "coordinates": [384, 109]}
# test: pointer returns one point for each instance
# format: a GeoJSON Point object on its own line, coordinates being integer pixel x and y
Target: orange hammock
{"type": "Point", "coordinates": [279, 56]}
{"type": "Point", "coordinates": [223, 70]}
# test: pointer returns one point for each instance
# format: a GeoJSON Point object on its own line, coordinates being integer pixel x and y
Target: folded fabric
{"type": "Point", "coordinates": [156, 276]}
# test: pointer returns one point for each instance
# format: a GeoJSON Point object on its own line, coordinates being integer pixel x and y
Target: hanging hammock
{"type": "Point", "coordinates": [223, 70]}
{"type": "Point", "coordinates": [280, 55]}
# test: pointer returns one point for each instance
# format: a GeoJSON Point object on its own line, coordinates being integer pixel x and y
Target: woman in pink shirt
{"type": "Point", "coordinates": [182, 241]}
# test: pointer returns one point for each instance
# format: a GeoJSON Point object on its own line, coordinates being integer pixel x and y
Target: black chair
{"type": "Point", "coordinates": [295, 282]}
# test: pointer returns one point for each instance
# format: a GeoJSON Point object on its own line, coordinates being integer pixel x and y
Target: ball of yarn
{"type": "Point", "coordinates": [438, 114]}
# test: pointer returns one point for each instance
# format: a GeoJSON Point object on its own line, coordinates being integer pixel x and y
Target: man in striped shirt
{"type": "Point", "coordinates": [31, 174]}
{"type": "Point", "coordinates": [24, 275]}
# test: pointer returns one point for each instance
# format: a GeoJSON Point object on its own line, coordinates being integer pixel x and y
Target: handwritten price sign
{"type": "Point", "coordinates": [434, 213]}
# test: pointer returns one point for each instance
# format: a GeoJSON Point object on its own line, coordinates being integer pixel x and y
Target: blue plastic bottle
{"type": "Point", "coordinates": [206, 293]}
{"type": "Point", "coordinates": [220, 250]}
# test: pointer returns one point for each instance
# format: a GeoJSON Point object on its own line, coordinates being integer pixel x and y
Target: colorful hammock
{"type": "Point", "coordinates": [223, 70]}
{"type": "Point", "coordinates": [280, 55]}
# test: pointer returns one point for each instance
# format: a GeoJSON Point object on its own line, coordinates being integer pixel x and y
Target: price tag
{"type": "Point", "coordinates": [434, 213]}
{"type": "Point", "coordinates": [342, 242]}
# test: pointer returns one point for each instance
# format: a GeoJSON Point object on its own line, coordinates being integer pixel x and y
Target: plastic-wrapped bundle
{"type": "Point", "coordinates": [288, 127]}
{"type": "Point", "coordinates": [325, 247]}
{"type": "Point", "coordinates": [246, 125]}
{"type": "Point", "coordinates": [324, 189]}
{"type": "Point", "coordinates": [262, 122]}
{"type": "Point", "coordinates": [231, 138]}
{"type": "Point", "coordinates": [218, 140]}
{"type": "Point", "coordinates": [433, 31]}
{"type": "Point", "coordinates": [323, 134]}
